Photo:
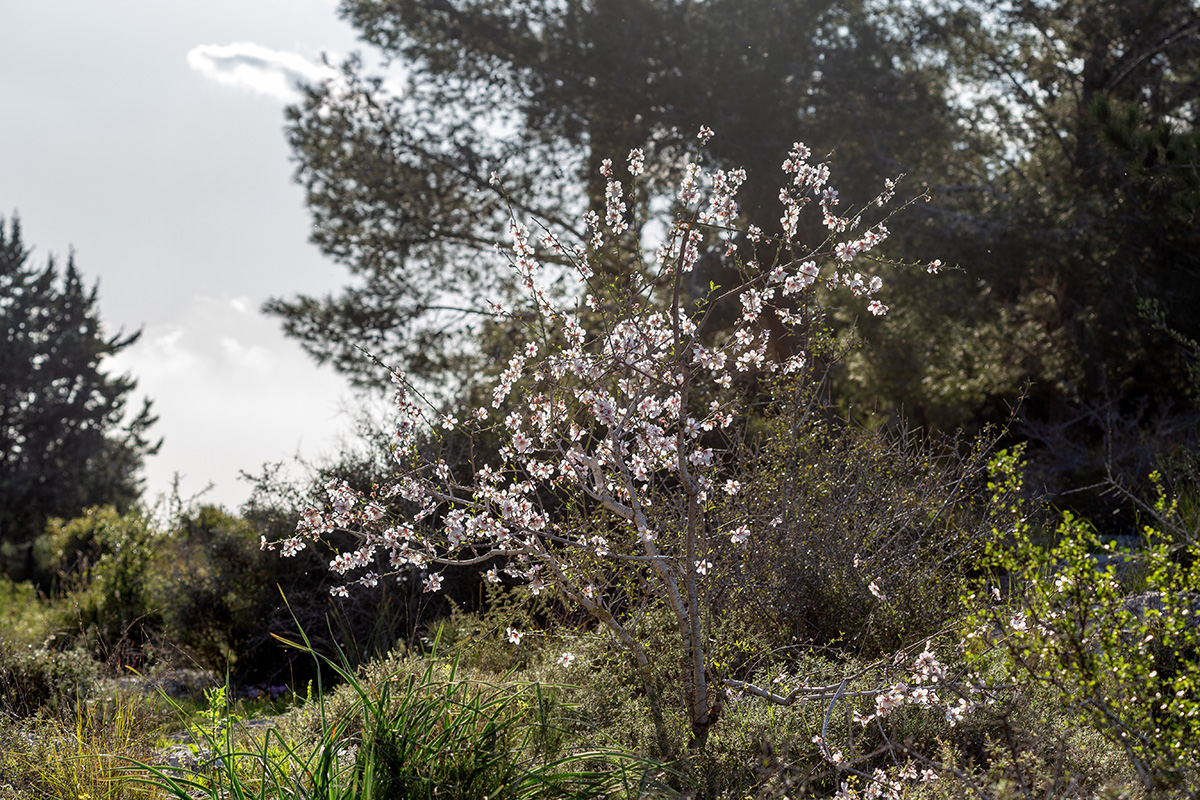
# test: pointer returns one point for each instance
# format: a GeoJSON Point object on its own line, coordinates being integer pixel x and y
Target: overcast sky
{"type": "Point", "coordinates": [147, 136]}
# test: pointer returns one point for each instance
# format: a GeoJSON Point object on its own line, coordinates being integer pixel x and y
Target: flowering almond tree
{"type": "Point", "coordinates": [615, 417]}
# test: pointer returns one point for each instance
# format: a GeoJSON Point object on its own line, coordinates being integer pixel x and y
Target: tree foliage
{"type": "Point", "coordinates": [65, 440]}
{"type": "Point", "coordinates": [1082, 118]}
{"type": "Point", "coordinates": [540, 93]}
{"type": "Point", "coordinates": [1057, 141]}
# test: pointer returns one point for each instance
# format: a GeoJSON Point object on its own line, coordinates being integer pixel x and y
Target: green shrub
{"type": "Point", "coordinates": [25, 617]}
{"type": "Point", "coordinates": [210, 586]}
{"type": "Point", "coordinates": [104, 560]}
{"type": "Point", "coordinates": [37, 678]}
{"type": "Point", "coordinates": [199, 589]}
{"type": "Point", "coordinates": [1124, 666]}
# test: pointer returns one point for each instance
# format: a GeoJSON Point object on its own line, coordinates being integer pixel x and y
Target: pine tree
{"type": "Point", "coordinates": [540, 93]}
{"type": "Point", "coordinates": [64, 442]}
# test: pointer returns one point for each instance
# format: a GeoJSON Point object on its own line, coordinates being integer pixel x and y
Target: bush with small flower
{"type": "Point", "coordinates": [618, 417]}
{"type": "Point", "coordinates": [1120, 656]}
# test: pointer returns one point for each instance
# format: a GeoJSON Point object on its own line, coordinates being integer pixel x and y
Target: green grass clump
{"type": "Point", "coordinates": [412, 733]}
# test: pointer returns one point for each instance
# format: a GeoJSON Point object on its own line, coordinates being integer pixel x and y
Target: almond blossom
{"type": "Point", "coordinates": [619, 400]}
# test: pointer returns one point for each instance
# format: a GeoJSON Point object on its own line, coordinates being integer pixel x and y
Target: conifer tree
{"type": "Point", "coordinates": [65, 442]}
{"type": "Point", "coordinates": [540, 93]}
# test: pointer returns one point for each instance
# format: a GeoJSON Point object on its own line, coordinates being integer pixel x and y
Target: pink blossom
{"type": "Point", "coordinates": [615, 406]}
{"type": "Point", "coordinates": [637, 161]}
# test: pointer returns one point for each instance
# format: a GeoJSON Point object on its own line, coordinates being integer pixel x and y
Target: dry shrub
{"type": "Point", "coordinates": [859, 539]}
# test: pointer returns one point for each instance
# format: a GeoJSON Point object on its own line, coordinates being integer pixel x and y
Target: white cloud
{"type": "Point", "coordinates": [258, 69]}
{"type": "Point", "coordinates": [251, 358]}
{"type": "Point", "coordinates": [162, 352]}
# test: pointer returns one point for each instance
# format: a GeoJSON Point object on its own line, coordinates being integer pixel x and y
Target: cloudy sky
{"type": "Point", "coordinates": [147, 136]}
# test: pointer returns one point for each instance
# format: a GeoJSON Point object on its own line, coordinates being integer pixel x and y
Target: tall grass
{"type": "Point", "coordinates": [422, 734]}
{"type": "Point", "coordinates": [84, 754]}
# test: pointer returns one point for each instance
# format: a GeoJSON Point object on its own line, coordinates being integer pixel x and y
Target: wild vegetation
{"type": "Point", "coordinates": [695, 487]}
{"type": "Point", "coordinates": [1077, 660]}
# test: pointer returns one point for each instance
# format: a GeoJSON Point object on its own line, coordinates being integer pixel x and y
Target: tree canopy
{"type": "Point", "coordinates": [65, 440]}
{"type": "Point", "coordinates": [1057, 139]}
{"type": "Point", "coordinates": [541, 93]}
{"type": "Point", "coordinates": [1078, 237]}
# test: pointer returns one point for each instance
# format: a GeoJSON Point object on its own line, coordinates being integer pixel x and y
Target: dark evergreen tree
{"type": "Point", "coordinates": [65, 443]}
{"type": "Point", "coordinates": [1058, 140]}
{"type": "Point", "coordinates": [1079, 237]}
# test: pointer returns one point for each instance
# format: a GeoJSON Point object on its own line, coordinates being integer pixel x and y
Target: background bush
{"type": "Point", "coordinates": [40, 678]}
{"type": "Point", "coordinates": [103, 560]}
{"type": "Point", "coordinates": [834, 508]}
